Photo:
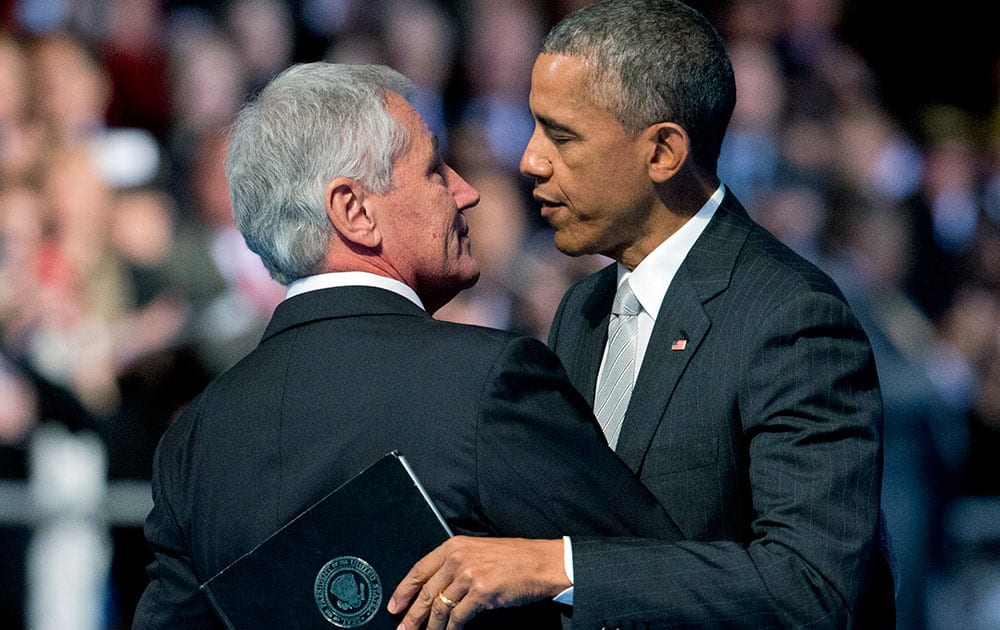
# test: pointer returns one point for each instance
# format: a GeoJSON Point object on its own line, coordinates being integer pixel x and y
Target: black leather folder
{"type": "Point", "coordinates": [336, 563]}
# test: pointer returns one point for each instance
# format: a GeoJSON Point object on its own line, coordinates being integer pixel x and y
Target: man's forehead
{"type": "Point", "coordinates": [560, 86]}
{"type": "Point", "coordinates": [421, 140]}
{"type": "Point", "coordinates": [403, 111]}
{"type": "Point", "coordinates": [561, 68]}
{"type": "Point", "coordinates": [396, 104]}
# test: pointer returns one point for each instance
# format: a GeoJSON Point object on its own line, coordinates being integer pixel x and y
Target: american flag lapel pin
{"type": "Point", "coordinates": [682, 342]}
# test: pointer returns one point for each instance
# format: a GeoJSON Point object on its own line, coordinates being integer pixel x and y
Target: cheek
{"type": "Point", "coordinates": [585, 184]}
{"type": "Point", "coordinates": [589, 199]}
{"type": "Point", "coordinates": [609, 188]}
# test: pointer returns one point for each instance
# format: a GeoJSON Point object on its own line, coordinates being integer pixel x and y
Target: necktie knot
{"type": "Point", "coordinates": [625, 301]}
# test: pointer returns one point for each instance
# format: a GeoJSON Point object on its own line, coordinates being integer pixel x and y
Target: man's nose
{"type": "Point", "coordinates": [465, 195]}
{"type": "Point", "coordinates": [533, 163]}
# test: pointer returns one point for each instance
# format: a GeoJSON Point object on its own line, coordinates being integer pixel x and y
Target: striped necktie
{"type": "Point", "coordinates": [615, 388]}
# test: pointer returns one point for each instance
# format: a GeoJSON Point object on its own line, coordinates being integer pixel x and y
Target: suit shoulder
{"type": "Point", "coordinates": [585, 293]}
{"type": "Point", "coordinates": [493, 349]}
{"type": "Point", "coordinates": [761, 260]}
{"type": "Point", "coordinates": [483, 334]}
{"type": "Point", "coordinates": [591, 281]}
{"type": "Point", "coordinates": [768, 260]}
{"type": "Point", "coordinates": [181, 428]}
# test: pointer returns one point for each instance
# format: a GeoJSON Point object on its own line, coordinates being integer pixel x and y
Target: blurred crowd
{"type": "Point", "coordinates": [124, 285]}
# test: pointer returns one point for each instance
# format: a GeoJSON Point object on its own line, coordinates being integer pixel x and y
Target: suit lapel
{"type": "Point", "coordinates": [589, 348]}
{"type": "Point", "coordinates": [681, 326]}
{"type": "Point", "coordinates": [683, 323]}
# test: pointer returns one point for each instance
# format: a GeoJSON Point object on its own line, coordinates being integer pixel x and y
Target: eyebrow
{"type": "Point", "coordinates": [436, 158]}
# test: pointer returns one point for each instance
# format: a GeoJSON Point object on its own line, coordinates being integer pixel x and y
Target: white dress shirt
{"type": "Point", "coordinates": [652, 277]}
{"type": "Point", "coordinates": [351, 279]}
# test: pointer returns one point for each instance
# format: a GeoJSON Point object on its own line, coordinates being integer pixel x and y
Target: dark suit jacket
{"type": "Point", "coordinates": [762, 437]}
{"type": "Point", "coordinates": [488, 420]}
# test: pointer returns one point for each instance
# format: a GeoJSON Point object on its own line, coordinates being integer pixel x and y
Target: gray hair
{"type": "Point", "coordinates": [312, 123]}
{"type": "Point", "coordinates": [654, 61]}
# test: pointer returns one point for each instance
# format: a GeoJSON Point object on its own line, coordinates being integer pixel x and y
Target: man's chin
{"type": "Point", "coordinates": [458, 283]}
{"type": "Point", "coordinates": [569, 247]}
{"type": "Point", "coordinates": [471, 279]}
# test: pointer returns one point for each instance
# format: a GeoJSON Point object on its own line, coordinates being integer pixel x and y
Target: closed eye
{"type": "Point", "coordinates": [436, 167]}
{"type": "Point", "coordinates": [556, 132]}
{"type": "Point", "coordinates": [557, 138]}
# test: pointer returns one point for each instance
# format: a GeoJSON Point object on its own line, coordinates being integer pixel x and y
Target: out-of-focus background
{"type": "Point", "coordinates": [866, 136]}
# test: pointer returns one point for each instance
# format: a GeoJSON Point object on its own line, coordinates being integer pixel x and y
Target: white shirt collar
{"type": "Point", "coordinates": [351, 279]}
{"type": "Point", "coordinates": [652, 277]}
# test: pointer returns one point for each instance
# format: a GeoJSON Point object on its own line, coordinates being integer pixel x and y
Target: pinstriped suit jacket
{"type": "Point", "coordinates": [762, 438]}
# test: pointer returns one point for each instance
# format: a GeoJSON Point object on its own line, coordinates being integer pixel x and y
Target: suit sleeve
{"type": "Point", "coordinates": [544, 468]}
{"type": "Point", "coordinates": [172, 598]}
{"type": "Point", "coordinates": [810, 412]}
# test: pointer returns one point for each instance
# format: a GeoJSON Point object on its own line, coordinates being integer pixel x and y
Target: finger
{"type": "Point", "coordinates": [428, 604]}
{"type": "Point", "coordinates": [414, 580]}
{"type": "Point", "coordinates": [440, 610]}
{"type": "Point", "coordinates": [422, 607]}
{"type": "Point", "coordinates": [456, 604]}
{"type": "Point", "coordinates": [463, 613]}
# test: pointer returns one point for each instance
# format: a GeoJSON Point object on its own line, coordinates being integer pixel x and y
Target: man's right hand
{"type": "Point", "coordinates": [466, 575]}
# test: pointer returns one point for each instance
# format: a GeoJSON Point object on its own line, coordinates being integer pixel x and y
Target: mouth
{"type": "Point", "coordinates": [549, 205]}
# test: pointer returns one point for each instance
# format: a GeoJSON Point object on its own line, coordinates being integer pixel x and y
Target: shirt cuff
{"type": "Point", "coordinates": [566, 597]}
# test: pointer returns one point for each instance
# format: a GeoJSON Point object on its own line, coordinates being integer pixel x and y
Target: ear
{"type": "Point", "coordinates": [348, 206]}
{"type": "Point", "coordinates": [671, 146]}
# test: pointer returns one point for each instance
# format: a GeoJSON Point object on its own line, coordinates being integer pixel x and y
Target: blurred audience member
{"type": "Point", "coordinates": [21, 131]}
{"type": "Point", "coordinates": [263, 33]}
{"type": "Point", "coordinates": [750, 158]}
{"type": "Point", "coordinates": [73, 89]}
{"type": "Point", "coordinates": [948, 209]}
{"type": "Point", "coordinates": [231, 293]}
{"type": "Point", "coordinates": [82, 288]}
{"type": "Point", "coordinates": [208, 83]}
{"type": "Point", "coordinates": [134, 55]}
{"type": "Point", "coordinates": [14, 98]}
{"type": "Point", "coordinates": [500, 47]}
{"type": "Point", "coordinates": [420, 40]}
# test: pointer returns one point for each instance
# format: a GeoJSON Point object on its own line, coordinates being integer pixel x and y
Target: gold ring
{"type": "Point", "coordinates": [450, 603]}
